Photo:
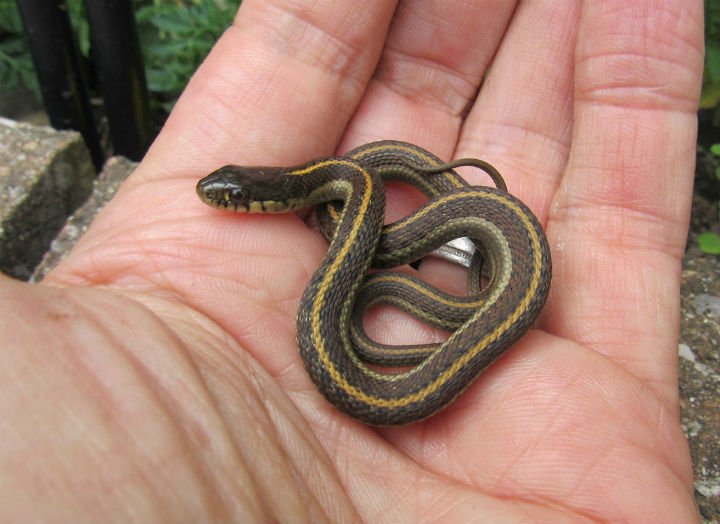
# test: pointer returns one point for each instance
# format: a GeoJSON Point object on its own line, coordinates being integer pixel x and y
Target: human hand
{"type": "Point", "coordinates": [156, 375]}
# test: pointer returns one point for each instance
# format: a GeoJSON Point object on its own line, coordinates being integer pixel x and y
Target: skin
{"type": "Point", "coordinates": [154, 374]}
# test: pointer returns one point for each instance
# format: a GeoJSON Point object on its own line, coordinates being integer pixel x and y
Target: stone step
{"type": "Point", "coordinates": [49, 194]}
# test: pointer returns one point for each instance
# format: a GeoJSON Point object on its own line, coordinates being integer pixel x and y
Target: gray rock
{"type": "Point", "coordinates": [700, 375]}
{"type": "Point", "coordinates": [44, 176]}
{"type": "Point", "coordinates": [114, 172]}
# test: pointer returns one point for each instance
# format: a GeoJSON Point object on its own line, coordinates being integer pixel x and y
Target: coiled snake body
{"type": "Point", "coordinates": [337, 354]}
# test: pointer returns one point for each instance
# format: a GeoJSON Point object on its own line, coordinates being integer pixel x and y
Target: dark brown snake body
{"type": "Point", "coordinates": [334, 349]}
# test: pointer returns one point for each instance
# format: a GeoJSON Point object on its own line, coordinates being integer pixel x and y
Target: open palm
{"type": "Point", "coordinates": [179, 361]}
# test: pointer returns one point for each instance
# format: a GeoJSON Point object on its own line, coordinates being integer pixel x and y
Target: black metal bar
{"type": "Point", "coordinates": [59, 70]}
{"type": "Point", "coordinates": [119, 65]}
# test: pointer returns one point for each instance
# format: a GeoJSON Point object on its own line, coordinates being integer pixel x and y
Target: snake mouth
{"type": "Point", "coordinates": [257, 206]}
{"type": "Point", "coordinates": [224, 196]}
{"type": "Point", "coordinates": [227, 204]}
{"type": "Point", "coordinates": [267, 206]}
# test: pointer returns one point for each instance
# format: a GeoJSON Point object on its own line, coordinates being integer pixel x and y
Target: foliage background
{"type": "Point", "coordinates": [711, 77]}
{"type": "Point", "coordinates": [175, 36]}
{"type": "Point", "coordinates": [708, 172]}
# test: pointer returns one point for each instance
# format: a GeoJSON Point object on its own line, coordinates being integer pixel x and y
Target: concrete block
{"type": "Point", "coordinates": [115, 171]}
{"type": "Point", "coordinates": [44, 176]}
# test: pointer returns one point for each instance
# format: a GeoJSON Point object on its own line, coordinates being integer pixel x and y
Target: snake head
{"type": "Point", "coordinates": [242, 189]}
{"type": "Point", "coordinates": [227, 188]}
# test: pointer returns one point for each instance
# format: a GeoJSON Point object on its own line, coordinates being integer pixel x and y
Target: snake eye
{"type": "Point", "coordinates": [238, 195]}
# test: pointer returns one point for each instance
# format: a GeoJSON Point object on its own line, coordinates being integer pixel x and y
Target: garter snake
{"type": "Point", "coordinates": [333, 348]}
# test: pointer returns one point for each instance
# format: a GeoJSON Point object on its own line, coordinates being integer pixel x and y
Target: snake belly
{"type": "Point", "coordinates": [508, 235]}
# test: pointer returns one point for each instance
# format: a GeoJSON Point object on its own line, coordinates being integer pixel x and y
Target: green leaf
{"type": "Point", "coordinates": [14, 46]}
{"type": "Point", "coordinates": [712, 61]}
{"type": "Point", "coordinates": [31, 82]}
{"type": "Point", "coordinates": [161, 80]}
{"type": "Point", "coordinates": [710, 95]}
{"type": "Point", "coordinates": [717, 172]}
{"type": "Point", "coordinates": [10, 79]}
{"type": "Point", "coordinates": [709, 243]}
{"type": "Point", "coordinates": [174, 25]}
{"type": "Point", "coordinates": [10, 18]}
{"type": "Point", "coordinates": [715, 149]}
{"type": "Point", "coordinates": [200, 13]}
{"type": "Point", "coordinates": [76, 12]}
{"type": "Point", "coordinates": [170, 49]}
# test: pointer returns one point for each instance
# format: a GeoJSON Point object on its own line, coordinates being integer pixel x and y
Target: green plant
{"type": "Point", "coordinates": [176, 36]}
{"type": "Point", "coordinates": [15, 63]}
{"type": "Point", "coordinates": [711, 76]}
{"type": "Point", "coordinates": [709, 242]}
{"type": "Point", "coordinates": [16, 66]}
